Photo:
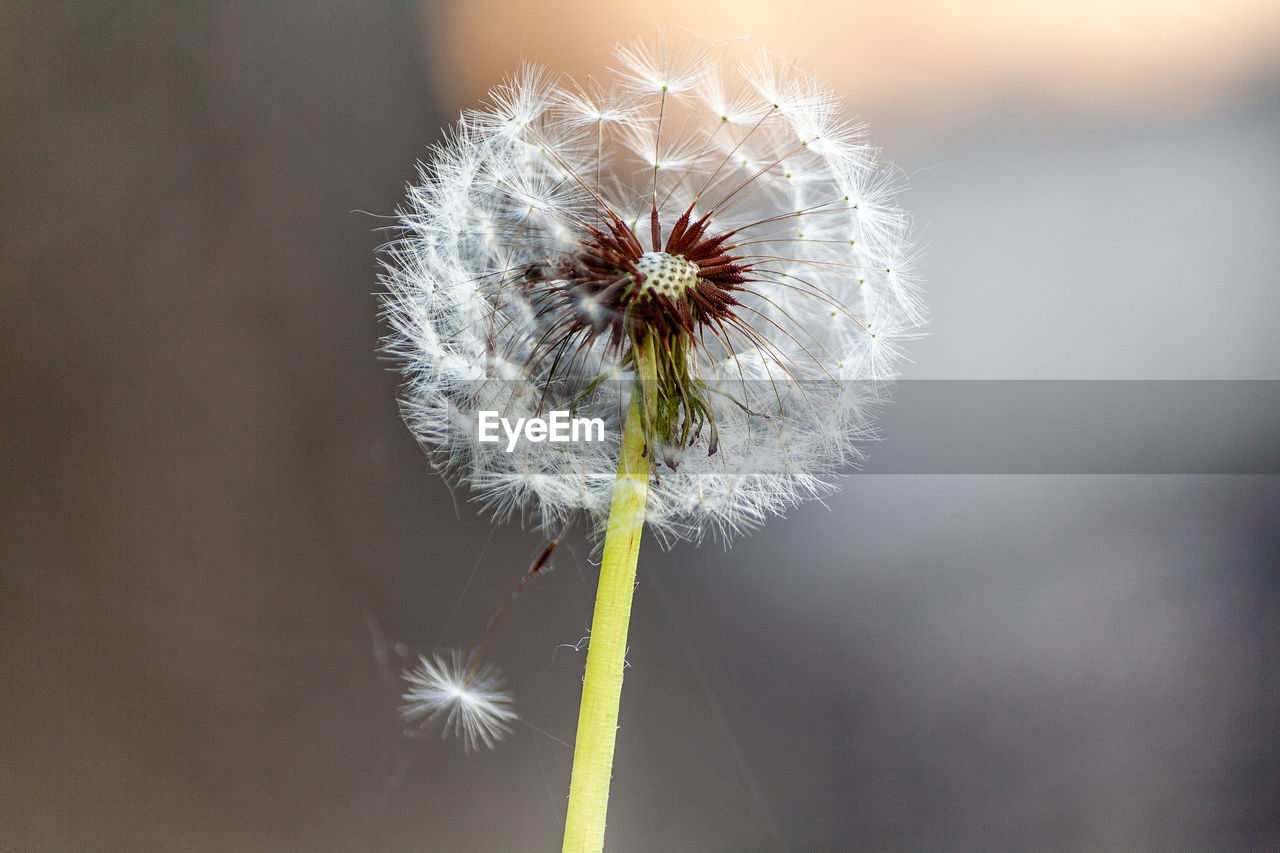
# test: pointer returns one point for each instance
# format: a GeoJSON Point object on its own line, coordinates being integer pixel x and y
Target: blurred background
{"type": "Point", "coordinates": [217, 535]}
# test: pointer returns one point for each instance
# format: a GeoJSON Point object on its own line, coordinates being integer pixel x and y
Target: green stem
{"type": "Point", "coordinates": [602, 686]}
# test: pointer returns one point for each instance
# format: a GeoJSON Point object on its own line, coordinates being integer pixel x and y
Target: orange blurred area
{"type": "Point", "coordinates": [935, 56]}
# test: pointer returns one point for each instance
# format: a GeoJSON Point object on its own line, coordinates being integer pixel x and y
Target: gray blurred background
{"type": "Point", "coordinates": [213, 518]}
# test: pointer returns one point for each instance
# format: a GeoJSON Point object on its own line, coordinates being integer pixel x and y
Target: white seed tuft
{"type": "Point", "coordinates": [470, 698]}
{"type": "Point", "coordinates": [478, 303]}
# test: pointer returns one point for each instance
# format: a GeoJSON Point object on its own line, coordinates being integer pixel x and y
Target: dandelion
{"type": "Point", "coordinates": [702, 252]}
{"type": "Point", "coordinates": [467, 693]}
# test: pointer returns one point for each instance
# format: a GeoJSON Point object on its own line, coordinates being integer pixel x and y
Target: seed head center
{"type": "Point", "coordinates": [666, 275]}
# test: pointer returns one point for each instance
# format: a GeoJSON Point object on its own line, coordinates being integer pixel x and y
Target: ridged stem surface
{"type": "Point", "coordinates": [602, 686]}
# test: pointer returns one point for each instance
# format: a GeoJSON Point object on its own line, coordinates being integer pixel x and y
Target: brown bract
{"type": "Point", "coordinates": [601, 290]}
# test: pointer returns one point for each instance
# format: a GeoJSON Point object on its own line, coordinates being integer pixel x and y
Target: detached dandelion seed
{"type": "Point", "coordinates": [466, 691]}
{"type": "Point", "coordinates": [469, 695]}
{"type": "Point", "coordinates": [705, 254]}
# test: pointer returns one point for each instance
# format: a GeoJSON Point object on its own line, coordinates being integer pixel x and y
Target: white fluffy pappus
{"type": "Point", "coordinates": [469, 695]}
{"type": "Point", "coordinates": [708, 197]}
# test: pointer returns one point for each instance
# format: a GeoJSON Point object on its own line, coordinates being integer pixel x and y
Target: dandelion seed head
{"type": "Point", "coordinates": [468, 695]}
{"type": "Point", "coordinates": [709, 205]}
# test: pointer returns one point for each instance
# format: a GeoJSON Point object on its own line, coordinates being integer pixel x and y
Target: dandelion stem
{"type": "Point", "coordinates": [602, 686]}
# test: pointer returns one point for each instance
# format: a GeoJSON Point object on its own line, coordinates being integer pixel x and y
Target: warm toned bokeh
{"type": "Point", "coordinates": [948, 56]}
